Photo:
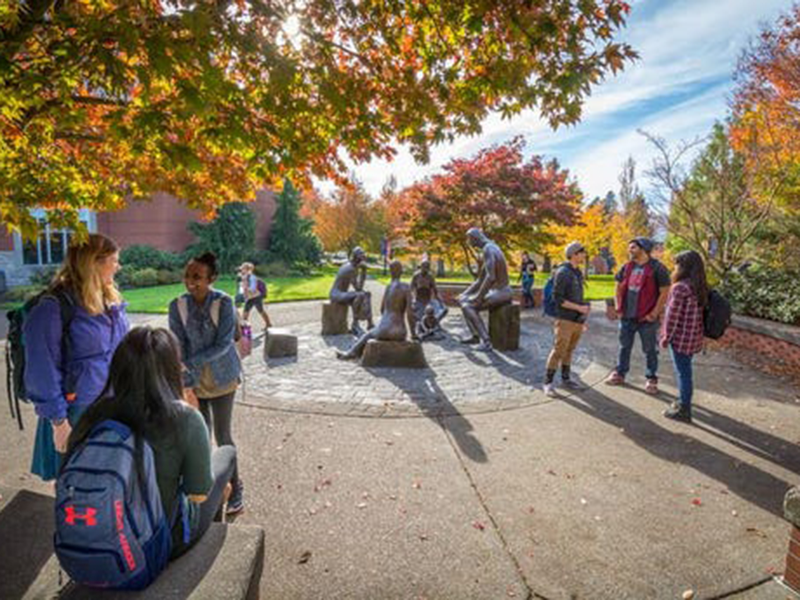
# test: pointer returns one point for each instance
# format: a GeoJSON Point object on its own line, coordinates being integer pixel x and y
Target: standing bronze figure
{"type": "Point", "coordinates": [490, 290]}
{"type": "Point", "coordinates": [395, 311]}
{"type": "Point", "coordinates": [354, 273]}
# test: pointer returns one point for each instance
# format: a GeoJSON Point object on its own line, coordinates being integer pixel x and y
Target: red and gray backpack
{"type": "Point", "coordinates": [111, 528]}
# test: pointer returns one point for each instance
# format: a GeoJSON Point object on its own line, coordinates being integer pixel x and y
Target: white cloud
{"type": "Point", "coordinates": [688, 51]}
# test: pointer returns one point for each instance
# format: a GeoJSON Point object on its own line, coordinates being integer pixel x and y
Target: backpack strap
{"type": "Point", "coordinates": [183, 310]}
{"type": "Point", "coordinates": [214, 311]}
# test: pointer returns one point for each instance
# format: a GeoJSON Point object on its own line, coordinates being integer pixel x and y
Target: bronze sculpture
{"type": "Point", "coordinates": [490, 290]}
{"type": "Point", "coordinates": [395, 310]}
{"type": "Point", "coordinates": [354, 273]}
{"type": "Point", "coordinates": [428, 307]}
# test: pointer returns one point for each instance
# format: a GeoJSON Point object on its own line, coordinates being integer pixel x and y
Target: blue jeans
{"type": "Point", "coordinates": [648, 332]}
{"type": "Point", "coordinates": [683, 375]}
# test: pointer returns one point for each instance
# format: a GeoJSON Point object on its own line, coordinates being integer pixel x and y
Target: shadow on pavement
{"type": "Point", "coordinates": [746, 481]}
{"type": "Point", "coordinates": [437, 406]}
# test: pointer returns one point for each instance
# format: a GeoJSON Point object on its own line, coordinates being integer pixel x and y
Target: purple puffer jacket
{"type": "Point", "coordinates": [91, 344]}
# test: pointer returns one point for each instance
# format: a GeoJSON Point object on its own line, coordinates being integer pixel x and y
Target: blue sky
{"type": "Point", "coordinates": [677, 89]}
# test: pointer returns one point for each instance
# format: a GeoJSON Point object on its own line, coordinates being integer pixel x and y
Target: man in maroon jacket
{"type": "Point", "coordinates": [642, 291]}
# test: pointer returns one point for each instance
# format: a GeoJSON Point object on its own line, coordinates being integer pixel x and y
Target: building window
{"type": "Point", "coordinates": [49, 249]}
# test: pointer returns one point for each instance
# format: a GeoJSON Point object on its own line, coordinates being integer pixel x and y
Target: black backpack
{"type": "Point", "coordinates": [716, 315]}
{"type": "Point", "coordinates": [15, 344]}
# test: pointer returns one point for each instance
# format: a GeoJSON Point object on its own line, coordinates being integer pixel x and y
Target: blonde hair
{"type": "Point", "coordinates": [79, 273]}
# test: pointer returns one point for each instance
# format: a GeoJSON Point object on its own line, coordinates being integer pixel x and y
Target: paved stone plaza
{"type": "Point", "coordinates": [464, 481]}
{"type": "Point", "coordinates": [459, 379]}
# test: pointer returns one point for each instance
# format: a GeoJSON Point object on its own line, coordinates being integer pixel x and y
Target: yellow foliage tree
{"type": "Point", "coordinates": [590, 229]}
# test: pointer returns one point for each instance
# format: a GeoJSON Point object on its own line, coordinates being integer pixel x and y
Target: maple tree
{"type": "Point", "coordinates": [103, 101]}
{"type": "Point", "coordinates": [350, 218]}
{"type": "Point", "coordinates": [765, 126]}
{"type": "Point", "coordinates": [510, 198]}
{"type": "Point", "coordinates": [590, 229]}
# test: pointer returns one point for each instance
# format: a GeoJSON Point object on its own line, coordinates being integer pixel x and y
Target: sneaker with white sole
{"type": "Point", "coordinates": [550, 390]}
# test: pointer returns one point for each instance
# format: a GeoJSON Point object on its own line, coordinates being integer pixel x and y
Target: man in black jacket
{"type": "Point", "coordinates": [570, 317]}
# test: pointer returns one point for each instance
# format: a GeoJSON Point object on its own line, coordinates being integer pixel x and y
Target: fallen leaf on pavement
{"type": "Point", "coordinates": [478, 525]}
{"type": "Point", "coordinates": [758, 532]}
{"type": "Point", "coordinates": [697, 502]}
{"type": "Point", "coordinates": [327, 482]}
{"type": "Point", "coordinates": [304, 558]}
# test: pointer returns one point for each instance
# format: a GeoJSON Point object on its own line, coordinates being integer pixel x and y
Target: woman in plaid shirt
{"type": "Point", "coordinates": [682, 331]}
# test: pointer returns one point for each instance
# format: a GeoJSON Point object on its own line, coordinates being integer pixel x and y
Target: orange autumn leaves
{"type": "Point", "coordinates": [101, 102]}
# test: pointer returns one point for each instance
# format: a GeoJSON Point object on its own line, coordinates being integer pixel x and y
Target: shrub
{"type": "Point", "coordinates": [166, 276]}
{"type": "Point", "coordinates": [276, 268]}
{"type": "Point", "coordinates": [21, 293]}
{"type": "Point", "coordinates": [765, 292]}
{"type": "Point", "coordinates": [147, 257]}
{"type": "Point", "coordinates": [43, 277]}
{"type": "Point", "coordinates": [144, 278]}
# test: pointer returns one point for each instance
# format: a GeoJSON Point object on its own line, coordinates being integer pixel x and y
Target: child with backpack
{"type": "Point", "coordinates": [254, 291]}
{"type": "Point", "coordinates": [204, 321]}
{"type": "Point", "coordinates": [682, 331]}
{"type": "Point", "coordinates": [140, 484]}
{"type": "Point", "coordinates": [67, 336]}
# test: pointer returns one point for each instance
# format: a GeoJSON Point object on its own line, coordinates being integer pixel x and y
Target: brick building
{"type": "Point", "coordinates": [161, 222]}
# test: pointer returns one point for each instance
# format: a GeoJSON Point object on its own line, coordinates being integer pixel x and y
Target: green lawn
{"type": "Point", "coordinates": [311, 287]}
{"type": "Point", "coordinates": [281, 289]}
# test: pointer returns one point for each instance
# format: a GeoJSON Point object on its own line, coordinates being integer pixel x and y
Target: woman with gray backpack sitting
{"type": "Point", "coordinates": [204, 321]}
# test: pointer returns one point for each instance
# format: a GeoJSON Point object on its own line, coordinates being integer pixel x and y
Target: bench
{"type": "Point", "coordinates": [226, 562]}
{"type": "Point", "coordinates": [279, 343]}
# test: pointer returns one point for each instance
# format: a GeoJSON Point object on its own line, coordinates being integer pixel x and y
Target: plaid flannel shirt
{"type": "Point", "coordinates": [683, 323]}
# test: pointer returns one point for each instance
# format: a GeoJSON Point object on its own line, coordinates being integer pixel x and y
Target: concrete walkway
{"type": "Point", "coordinates": [592, 495]}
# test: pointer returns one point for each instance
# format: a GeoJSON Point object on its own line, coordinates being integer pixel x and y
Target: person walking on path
{"type": "Point", "coordinates": [527, 271]}
{"type": "Point", "coordinates": [682, 332]}
{"type": "Point", "coordinates": [254, 292]}
{"type": "Point", "coordinates": [642, 289]}
{"type": "Point", "coordinates": [66, 364]}
{"type": "Point", "coordinates": [571, 314]}
{"type": "Point", "coordinates": [144, 392]}
{"type": "Point", "coordinates": [204, 320]}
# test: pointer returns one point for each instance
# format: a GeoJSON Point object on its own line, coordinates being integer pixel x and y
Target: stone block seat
{"type": "Point", "coordinates": [279, 343]}
{"type": "Point", "coordinates": [504, 326]}
{"type": "Point", "coordinates": [334, 318]}
{"type": "Point", "coordinates": [398, 355]}
{"type": "Point", "coordinates": [226, 562]}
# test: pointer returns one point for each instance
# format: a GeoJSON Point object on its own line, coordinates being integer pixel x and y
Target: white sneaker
{"type": "Point", "coordinates": [550, 390]}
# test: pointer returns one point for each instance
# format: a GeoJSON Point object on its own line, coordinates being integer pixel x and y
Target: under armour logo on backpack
{"type": "Point", "coordinates": [88, 518]}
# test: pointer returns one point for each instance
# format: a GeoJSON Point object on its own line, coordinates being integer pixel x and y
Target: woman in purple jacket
{"type": "Point", "coordinates": [67, 368]}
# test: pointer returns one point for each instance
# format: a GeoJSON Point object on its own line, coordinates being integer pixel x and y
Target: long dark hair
{"type": "Point", "coordinates": [690, 268]}
{"type": "Point", "coordinates": [143, 381]}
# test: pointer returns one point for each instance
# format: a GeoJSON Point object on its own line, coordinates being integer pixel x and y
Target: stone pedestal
{"type": "Point", "coordinates": [791, 510]}
{"type": "Point", "coordinates": [279, 343]}
{"type": "Point", "coordinates": [334, 318]}
{"type": "Point", "coordinates": [504, 327]}
{"type": "Point", "coordinates": [399, 355]}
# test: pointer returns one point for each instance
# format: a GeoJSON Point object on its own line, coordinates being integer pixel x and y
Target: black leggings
{"type": "Point", "coordinates": [222, 409]}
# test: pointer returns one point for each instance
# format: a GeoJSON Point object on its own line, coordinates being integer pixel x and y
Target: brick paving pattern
{"type": "Point", "coordinates": [458, 379]}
